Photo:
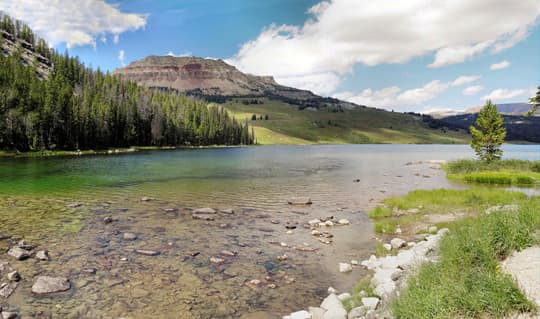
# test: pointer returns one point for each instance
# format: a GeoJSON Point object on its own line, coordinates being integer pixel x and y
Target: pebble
{"type": "Point", "coordinates": [432, 229]}
{"type": "Point", "coordinates": [42, 255]}
{"type": "Point", "coordinates": [147, 252]}
{"type": "Point", "coordinates": [354, 262]}
{"type": "Point", "coordinates": [147, 199]}
{"type": "Point", "coordinates": [13, 276]}
{"type": "Point", "coordinates": [343, 222]}
{"type": "Point", "coordinates": [387, 247]}
{"type": "Point", "coordinates": [228, 211]}
{"type": "Point", "coordinates": [19, 253]}
{"type": "Point", "coordinates": [228, 253]}
{"type": "Point", "coordinates": [216, 260]}
{"type": "Point", "coordinates": [129, 236]}
{"type": "Point", "coordinates": [108, 220]}
{"type": "Point", "coordinates": [345, 267]}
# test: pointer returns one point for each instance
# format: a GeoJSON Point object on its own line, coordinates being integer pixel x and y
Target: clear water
{"type": "Point", "coordinates": [256, 182]}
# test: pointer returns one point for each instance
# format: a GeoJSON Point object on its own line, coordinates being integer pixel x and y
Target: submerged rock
{"type": "Point", "coordinates": [299, 201]}
{"type": "Point", "coordinates": [345, 267]}
{"type": "Point", "coordinates": [207, 217]}
{"type": "Point", "coordinates": [42, 255]}
{"type": "Point", "coordinates": [47, 285]}
{"type": "Point", "coordinates": [6, 289]}
{"type": "Point", "coordinates": [14, 276]}
{"type": "Point", "coordinates": [205, 210]}
{"type": "Point", "coordinates": [147, 252]}
{"type": "Point", "coordinates": [19, 253]}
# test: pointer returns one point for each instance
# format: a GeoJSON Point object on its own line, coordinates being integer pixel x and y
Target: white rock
{"type": "Point", "coordinates": [357, 312]}
{"type": "Point", "coordinates": [432, 229]}
{"type": "Point", "coordinates": [314, 222]}
{"type": "Point", "coordinates": [302, 314]}
{"type": "Point", "coordinates": [329, 223]}
{"type": "Point", "coordinates": [316, 312]}
{"type": "Point", "coordinates": [331, 302]}
{"type": "Point", "coordinates": [398, 230]}
{"type": "Point", "coordinates": [343, 222]}
{"type": "Point", "coordinates": [331, 290]}
{"type": "Point", "coordinates": [387, 247]}
{"type": "Point", "coordinates": [385, 290]}
{"type": "Point", "coordinates": [397, 243]}
{"type": "Point", "coordinates": [205, 210]}
{"type": "Point", "coordinates": [354, 262]}
{"type": "Point", "coordinates": [370, 302]}
{"type": "Point", "coordinates": [344, 296]}
{"type": "Point", "coordinates": [46, 284]}
{"type": "Point", "coordinates": [335, 313]}
{"type": "Point", "coordinates": [345, 267]}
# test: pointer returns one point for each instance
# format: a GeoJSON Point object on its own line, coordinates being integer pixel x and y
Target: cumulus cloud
{"type": "Point", "coordinates": [121, 57]}
{"type": "Point", "coordinates": [472, 90]}
{"type": "Point", "coordinates": [75, 23]}
{"type": "Point", "coordinates": [504, 94]}
{"type": "Point", "coordinates": [499, 66]}
{"type": "Point", "coordinates": [342, 33]}
{"type": "Point", "coordinates": [394, 97]}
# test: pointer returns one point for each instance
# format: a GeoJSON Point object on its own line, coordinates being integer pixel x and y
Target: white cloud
{"type": "Point", "coordinates": [465, 80]}
{"type": "Point", "coordinates": [116, 38]}
{"type": "Point", "coordinates": [181, 55]}
{"type": "Point", "coordinates": [499, 66]}
{"type": "Point", "coordinates": [472, 90]}
{"type": "Point", "coordinates": [504, 94]}
{"type": "Point", "coordinates": [73, 22]}
{"type": "Point", "coordinates": [340, 34]}
{"type": "Point", "coordinates": [121, 57]}
{"type": "Point", "coordinates": [394, 97]}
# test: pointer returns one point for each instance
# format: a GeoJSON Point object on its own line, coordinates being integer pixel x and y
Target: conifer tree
{"type": "Point", "coordinates": [489, 133]}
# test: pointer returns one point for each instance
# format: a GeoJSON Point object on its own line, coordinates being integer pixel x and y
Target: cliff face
{"type": "Point", "coordinates": [9, 44]}
{"type": "Point", "coordinates": [214, 78]}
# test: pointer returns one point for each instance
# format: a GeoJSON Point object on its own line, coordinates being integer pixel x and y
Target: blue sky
{"type": "Point", "coordinates": [415, 55]}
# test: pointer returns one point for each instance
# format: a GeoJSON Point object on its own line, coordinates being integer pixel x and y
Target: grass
{"type": "Point", "coordinates": [467, 281]}
{"type": "Point", "coordinates": [288, 125]}
{"type": "Point", "coordinates": [503, 172]}
{"type": "Point", "coordinates": [355, 300]}
{"type": "Point", "coordinates": [404, 210]}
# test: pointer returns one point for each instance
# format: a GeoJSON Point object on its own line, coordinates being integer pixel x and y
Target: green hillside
{"type": "Point", "coordinates": [288, 125]}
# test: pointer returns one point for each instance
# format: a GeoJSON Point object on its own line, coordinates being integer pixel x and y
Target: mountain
{"type": "Point", "coordinates": [281, 114]}
{"type": "Point", "coordinates": [505, 108]}
{"type": "Point", "coordinates": [216, 81]}
{"type": "Point", "coordinates": [518, 127]}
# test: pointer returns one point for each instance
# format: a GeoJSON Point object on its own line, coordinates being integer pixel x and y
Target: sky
{"type": "Point", "coordinates": [410, 55]}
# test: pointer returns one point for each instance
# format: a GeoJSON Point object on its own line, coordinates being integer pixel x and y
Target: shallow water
{"type": "Point", "coordinates": [256, 182]}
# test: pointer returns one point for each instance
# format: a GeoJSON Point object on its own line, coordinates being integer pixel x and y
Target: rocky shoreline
{"type": "Point", "coordinates": [390, 274]}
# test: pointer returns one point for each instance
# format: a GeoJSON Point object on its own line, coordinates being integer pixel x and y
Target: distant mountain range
{"type": "Point", "coordinates": [504, 108]}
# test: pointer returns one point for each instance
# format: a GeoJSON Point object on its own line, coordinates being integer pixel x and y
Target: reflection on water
{"type": "Point", "coordinates": [183, 282]}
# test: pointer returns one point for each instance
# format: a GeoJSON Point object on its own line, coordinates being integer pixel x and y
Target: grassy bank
{"type": "Point", "coordinates": [467, 282]}
{"type": "Point", "coordinates": [421, 208]}
{"type": "Point", "coordinates": [504, 172]}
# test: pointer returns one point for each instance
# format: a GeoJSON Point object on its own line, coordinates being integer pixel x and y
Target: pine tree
{"type": "Point", "coordinates": [489, 133]}
{"type": "Point", "coordinates": [535, 103]}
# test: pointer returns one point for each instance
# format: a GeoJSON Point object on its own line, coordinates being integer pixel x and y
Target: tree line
{"type": "Point", "coordinates": [75, 107]}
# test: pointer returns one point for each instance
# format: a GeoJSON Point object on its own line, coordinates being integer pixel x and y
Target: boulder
{"type": "Point", "coordinates": [19, 253]}
{"type": "Point", "coordinates": [47, 285]}
{"type": "Point", "coordinates": [398, 243]}
{"type": "Point", "coordinates": [332, 301]}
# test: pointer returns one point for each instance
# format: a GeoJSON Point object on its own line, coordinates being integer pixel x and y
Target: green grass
{"type": "Point", "coordinates": [467, 281]}
{"type": "Point", "coordinates": [439, 201]}
{"type": "Point", "coordinates": [288, 125]}
{"type": "Point", "coordinates": [504, 172]}
{"type": "Point", "coordinates": [355, 300]}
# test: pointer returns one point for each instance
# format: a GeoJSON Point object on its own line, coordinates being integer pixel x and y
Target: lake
{"type": "Point", "coordinates": [260, 262]}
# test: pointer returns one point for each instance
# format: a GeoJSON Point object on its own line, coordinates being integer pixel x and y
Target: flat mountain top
{"type": "Point", "coordinates": [210, 79]}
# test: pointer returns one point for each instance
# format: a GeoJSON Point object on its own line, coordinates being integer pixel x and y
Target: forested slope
{"type": "Point", "coordinates": [53, 101]}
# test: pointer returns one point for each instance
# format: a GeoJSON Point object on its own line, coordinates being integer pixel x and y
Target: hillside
{"type": "Point", "coordinates": [50, 101]}
{"type": "Point", "coordinates": [294, 116]}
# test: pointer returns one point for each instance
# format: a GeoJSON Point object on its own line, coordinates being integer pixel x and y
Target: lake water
{"type": "Point", "coordinates": [182, 282]}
